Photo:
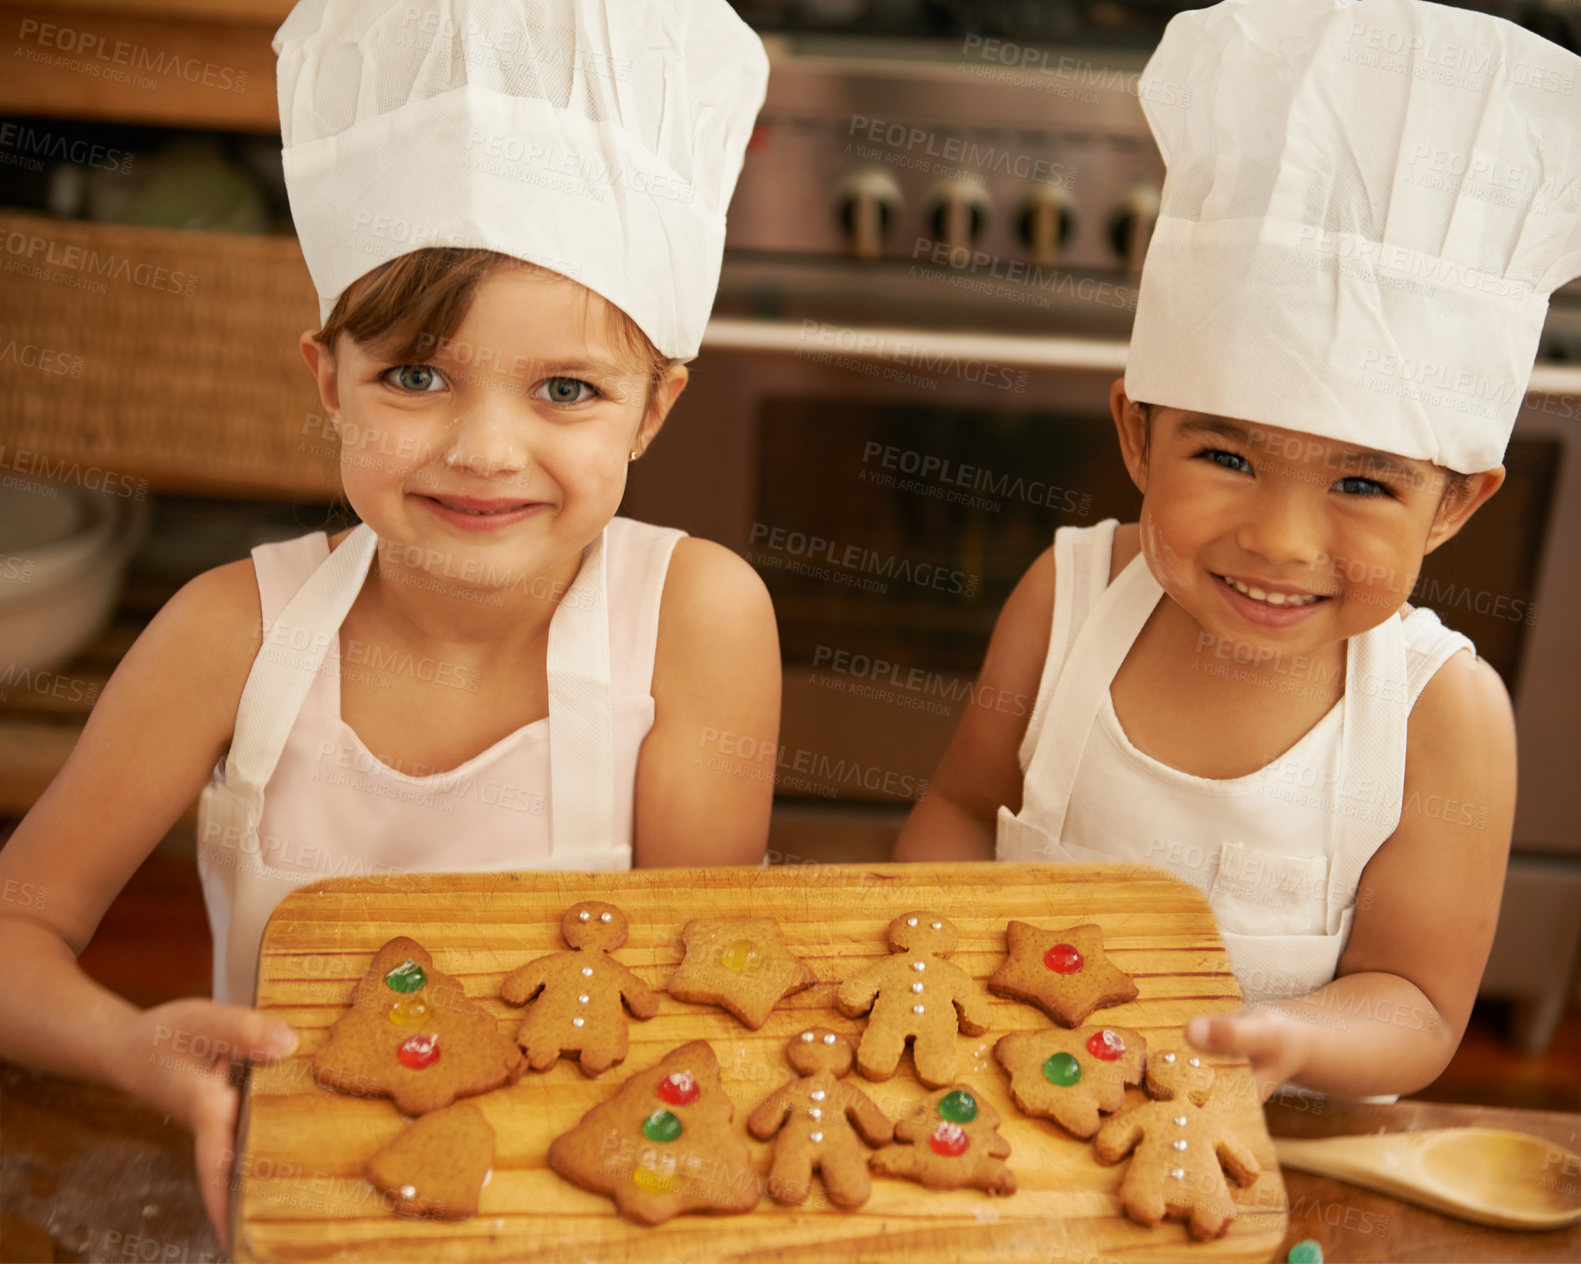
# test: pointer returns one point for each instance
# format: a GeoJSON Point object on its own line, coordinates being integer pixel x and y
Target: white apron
{"type": "Point", "coordinates": [241, 896]}
{"type": "Point", "coordinates": [1280, 852]}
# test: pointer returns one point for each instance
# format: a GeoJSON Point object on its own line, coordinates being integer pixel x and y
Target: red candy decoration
{"type": "Point", "coordinates": [679, 1089]}
{"type": "Point", "coordinates": [1106, 1045]}
{"type": "Point", "coordinates": [419, 1052]}
{"type": "Point", "coordinates": [1063, 959]}
{"type": "Point", "coordinates": [949, 1140]}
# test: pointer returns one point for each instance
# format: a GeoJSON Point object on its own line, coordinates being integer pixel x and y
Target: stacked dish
{"type": "Point", "coordinates": [63, 556]}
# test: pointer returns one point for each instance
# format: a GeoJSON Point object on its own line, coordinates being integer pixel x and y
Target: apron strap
{"type": "Point", "coordinates": [581, 728]}
{"type": "Point", "coordinates": [293, 650]}
{"type": "Point", "coordinates": [1375, 715]}
{"type": "Point", "coordinates": [1095, 656]}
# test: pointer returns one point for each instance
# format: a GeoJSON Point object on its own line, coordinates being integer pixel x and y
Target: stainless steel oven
{"type": "Point", "coordinates": [928, 288]}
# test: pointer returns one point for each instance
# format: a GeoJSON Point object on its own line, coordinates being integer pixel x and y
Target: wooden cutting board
{"type": "Point", "coordinates": [300, 1194]}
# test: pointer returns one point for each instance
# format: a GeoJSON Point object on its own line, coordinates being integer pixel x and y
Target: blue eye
{"type": "Point", "coordinates": [567, 390]}
{"type": "Point", "coordinates": [1226, 460]}
{"type": "Point", "coordinates": [416, 378]}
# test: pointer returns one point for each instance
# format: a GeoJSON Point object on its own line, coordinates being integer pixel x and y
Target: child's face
{"type": "Point", "coordinates": [1281, 538]}
{"type": "Point", "coordinates": [503, 449]}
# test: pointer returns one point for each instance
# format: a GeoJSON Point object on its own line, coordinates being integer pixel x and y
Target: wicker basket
{"type": "Point", "coordinates": [141, 356]}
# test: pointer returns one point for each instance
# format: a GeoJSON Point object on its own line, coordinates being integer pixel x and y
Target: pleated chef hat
{"type": "Point", "coordinates": [598, 138]}
{"type": "Point", "coordinates": [1367, 205]}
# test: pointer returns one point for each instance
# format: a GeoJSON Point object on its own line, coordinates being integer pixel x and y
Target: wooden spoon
{"type": "Point", "coordinates": [1488, 1175]}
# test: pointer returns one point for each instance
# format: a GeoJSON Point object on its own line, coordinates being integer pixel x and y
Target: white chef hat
{"type": "Point", "coordinates": [1367, 205]}
{"type": "Point", "coordinates": [597, 138]}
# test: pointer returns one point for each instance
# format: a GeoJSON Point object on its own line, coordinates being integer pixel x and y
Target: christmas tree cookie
{"type": "Point", "coordinates": [813, 1116]}
{"type": "Point", "coordinates": [916, 995]}
{"type": "Point", "coordinates": [412, 1035]}
{"type": "Point", "coordinates": [663, 1143]}
{"type": "Point", "coordinates": [438, 1165]}
{"type": "Point", "coordinates": [1181, 1151]}
{"type": "Point", "coordinates": [1065, 973]}
{"type": "Point", "coordinates": [950, 1141]}
{"type": "Point", "coordinates": [579, 993]}
{"type": "Point", "coordinates": [740, 964]}
{"type": "Point", "coordinates": [1070, 1076]}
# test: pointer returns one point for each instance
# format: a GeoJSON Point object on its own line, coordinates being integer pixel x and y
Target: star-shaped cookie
{"type": "Point", "coordinates": [740, 964]}
{"type": "Point", "coordinates": [1070, 1076]}
{"type": "Point", "coordinates": [1065, 973]}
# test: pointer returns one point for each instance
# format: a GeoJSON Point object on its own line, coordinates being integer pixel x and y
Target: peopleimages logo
{"type": "Point", "coordinates": [85, 51]}
{"type": "Point", "coordinates": [825, 558]}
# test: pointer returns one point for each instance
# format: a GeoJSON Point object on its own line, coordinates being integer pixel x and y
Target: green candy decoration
{"type": "Point", "coordinates": [959, 1107]}
{"type": "Point", "coordinates": [1063, 1069]}
{"type": "Point", "coordinates": [1307, 1252]}
{"type": "Point", "coordinates": [406, 977]}
{"type": "Point", "coordinates": [661, 1126]}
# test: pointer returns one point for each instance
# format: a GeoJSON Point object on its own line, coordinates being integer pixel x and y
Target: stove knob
{"type": "Point", "coordinates": [868, 204]}
{"type": "Point", "coordinates": [1047, 214]}
{"type": "Point", "coordinates": [1131, 225]}
{"type": "Point", "coordinates": [957, 211]}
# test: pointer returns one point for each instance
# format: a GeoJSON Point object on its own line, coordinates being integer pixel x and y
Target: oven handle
{"type": "Point", "coordinates": [1093, 355]}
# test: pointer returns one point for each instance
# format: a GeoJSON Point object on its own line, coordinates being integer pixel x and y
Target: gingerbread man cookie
{"type": "Point", "coordinates": [951, 1141]}
{"type": "Point", "coordinates": [1175, 1072]}
{"type": "Point", "coordinates": [1070, 1076]}
{"type": "Point", "coordinates": [439, 1165]}
{"type": "Point", "coordinates": [740, 964]}
{"type": "Point", "coordinates": [1182, 1151]}
{"type": "Point", "coordinates": [663, 1143]}
{"type": "Point", "coordinates": [813, 1116]}
{"type": "Point", "coordinates": [412, 1035]}
{"type": "Point", "coordinates": [1065, 973]}
{"type": "Point", "coordinates": [915, 995]}
{"type": "Point", "coordinates": [579, 993]}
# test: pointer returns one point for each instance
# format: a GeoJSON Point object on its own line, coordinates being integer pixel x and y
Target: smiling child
{"type": "Point", "coordinates": [514, 219]}
{"type": "Point", "coordinates": [1327, 360]}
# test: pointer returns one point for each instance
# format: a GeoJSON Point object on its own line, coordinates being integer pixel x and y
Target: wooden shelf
{"type": "Point", "coordinates": [176, 63]}
{"type": "Point", "coordinates": [42, 713]}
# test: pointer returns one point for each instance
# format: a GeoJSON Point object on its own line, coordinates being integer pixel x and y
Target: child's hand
{"type": "Point", "coordinates": [181, 1056]}
{"type": "Point", "coordinates": [1275, 1044]}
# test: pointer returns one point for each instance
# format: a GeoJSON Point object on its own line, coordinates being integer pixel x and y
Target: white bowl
{"type": "Point", "coordinates": [59, 588]}
{"type": "Point", "coordinates": [49, 531]}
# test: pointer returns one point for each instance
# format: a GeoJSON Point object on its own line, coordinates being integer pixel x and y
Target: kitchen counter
{"type": "Point", "coordinates": [112, 1180]}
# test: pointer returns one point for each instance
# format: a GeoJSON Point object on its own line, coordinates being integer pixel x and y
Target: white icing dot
{"type": "Point", "coordinates": [577, 1022]}
{"type": "Point", "coordinates": [1178, 1173]}
{"type": "Point", "coordinates": [587, 972]}
{"type": "Point", "coordinates": [911, 921]}
{"type": "Point", "coordinates": [817, 1095]}
{"type": "Point", "coordinates": [583, 999]}
{"type": "Point", "coordinates": [1181, 1120]}
{"type": "Point", "coordinates": [815, 1111]}
{"type": "Point", "coordinates": [938, 925]}
{"type": "Point", "coordinates": [917, 986]}
{"type": "Point", "coordinates": [808, 1037]}
{"type": "Point", "coordinates": [583, 916]}
{"type": "Point", "coordinates": [1169, 1057]}
{"type": "Point", "coordinates": [829, 1038]}
{"type": "Point", "coordinates": [408, 1191]}
{"type": "Point", "coordinates": [487, 1177]}
{"type": "Point", "coordinates": [603, 917]}
{"type": "Point", "coordinates": [916, 1009]}
{"type": "Point", "coordinates": [1193, 1061]}
{"type": "Point", "coordinates": [919, 965]}
{"type": "Point", "coordinates": [1179, 1145]}
{"type": "Point", "coordinates": [815, 1137]}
